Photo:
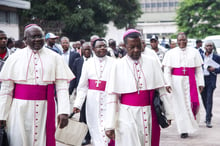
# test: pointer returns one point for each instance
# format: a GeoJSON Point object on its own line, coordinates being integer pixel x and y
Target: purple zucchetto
{"type": "Point", "coordinates": [30, 25]}
{"type": "Point", "coordinates": [129, 31]}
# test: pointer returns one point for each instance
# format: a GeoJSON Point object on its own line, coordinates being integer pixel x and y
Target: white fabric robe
{"type": "Point", "coordinates": [95, 102]}
{"type": "Point", "coordinates": [26, 119]}
{"type": "Point", "coordinates": [175, 58]}
{"type": "Point", "coordinates": [129, 120]}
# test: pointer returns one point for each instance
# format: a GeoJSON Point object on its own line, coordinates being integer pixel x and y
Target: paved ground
{"type": "Point", "coordinates": [204, 137]}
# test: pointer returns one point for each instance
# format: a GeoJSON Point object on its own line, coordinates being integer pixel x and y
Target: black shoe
{"type": "Point", "coordinates": [184, 135]}
{"type": "Point", "coordinates": [208, 124]}
{"type": "Point", "coordinates": [86, 142]}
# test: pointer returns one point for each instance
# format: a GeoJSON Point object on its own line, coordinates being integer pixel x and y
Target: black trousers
{"type": "Point", "coordinates": [82, 118]}
{"type": "Point", "coordinates": [207, 98]}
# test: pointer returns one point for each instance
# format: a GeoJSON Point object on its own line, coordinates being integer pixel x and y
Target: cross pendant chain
{"type": "Point", "coordinates": [138, 87]}
{"type": "Point", "coordinates": [184, 71]}
{"type": "Point", "coordinates": [97, 83]}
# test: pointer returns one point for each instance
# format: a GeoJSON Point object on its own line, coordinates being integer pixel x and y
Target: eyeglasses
{"type": "Point", "coordinates": [100, 46]}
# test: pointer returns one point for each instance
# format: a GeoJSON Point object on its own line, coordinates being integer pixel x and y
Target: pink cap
{"type": "Point", "coordinates": [129, 31]}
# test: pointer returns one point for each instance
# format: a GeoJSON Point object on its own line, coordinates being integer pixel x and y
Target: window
{"type": "Point", "coordinates": [7, 17]}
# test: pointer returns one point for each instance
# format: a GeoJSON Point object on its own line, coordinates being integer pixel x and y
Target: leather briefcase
{"type": "Point", "coordinates": [73, 134]}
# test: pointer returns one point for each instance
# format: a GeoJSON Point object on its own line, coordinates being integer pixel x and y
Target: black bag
{"type": "Point", "coordinates": [159, 109]}
{"type": "Point", "coordinates": [3, 137]}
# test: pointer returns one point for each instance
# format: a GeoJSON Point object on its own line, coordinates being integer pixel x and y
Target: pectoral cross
{"type": "Point", "coordinates": [97, 83]}
{"type": "Point", "coordinates": [184, 71]}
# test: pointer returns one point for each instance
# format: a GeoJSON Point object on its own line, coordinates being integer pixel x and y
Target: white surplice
{"type": "Point", "coordinates": [97, 69]}
{"type": "Point", "coordinates": [129, 121]}
{"type": "Point", "coordinates": [26, 119]}
{"type": "Point", "coordinates": [175, 58]}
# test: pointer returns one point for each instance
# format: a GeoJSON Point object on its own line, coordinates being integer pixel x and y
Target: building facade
{"type": "Point", "coordinates": [9, 19]}
{"type": "Point", "coordinates": [158, 18]}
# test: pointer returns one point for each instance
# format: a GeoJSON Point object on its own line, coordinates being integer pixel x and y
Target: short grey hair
{"type": "Point", "coordinates": [209, 42]}
{"type": "Point", "coordinates": [33, 26]}
{"type": "Point", "coordinates": [64, 38]}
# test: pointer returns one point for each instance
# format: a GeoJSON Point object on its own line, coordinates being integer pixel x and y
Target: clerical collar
{"type": "Point", "coordinates": [182, 49]}
{"type": "Point", "coordinates": [85, 58]}
{"type": "Point", "coordinates": [100, 58]}
{"type": "Point", "coordinates": [134, 61]}
{"type": "Point", "coordinates": [35, 51]}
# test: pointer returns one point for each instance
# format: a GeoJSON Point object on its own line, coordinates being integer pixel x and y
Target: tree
{"type": "Point", "coordinates": [81, 18]}
{"type": "Point", "coordinates": [199, 18]}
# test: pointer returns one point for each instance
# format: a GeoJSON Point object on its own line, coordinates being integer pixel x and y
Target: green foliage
{"type": "Point", "coordinates": [199, 18]}
{"type": "Point", "coordinates": [81, 18]}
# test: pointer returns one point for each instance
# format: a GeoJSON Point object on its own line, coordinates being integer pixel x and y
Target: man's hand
{"type": "Point", "coordinates": [62, 120]}
{"type": "Point", "coordinates": [76, 110]}
{"type": "Point", "coordinates": [2, 123]}
{"type": "Point", "coordinates": [211, 69]}
{"type": "Point", "coordinates": [110, 134]}
{"type": "Point", "coordinates": [201, 89]}
{"type": "Point", "coordinates": [169, 122]}
{"type": "Point", "coordinates": [169, 89]}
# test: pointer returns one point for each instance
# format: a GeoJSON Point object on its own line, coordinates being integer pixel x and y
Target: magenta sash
{"type": "Point", "coordinates": [40, 92]}
{"type": "Point", "coordinates": [135, 99]}
{"type": "Point", "coordinates": [93, 85]}
{"type": "Point", "coordinates": [144, 98]}
{"type": "Point", "coordinates": [187, 71]}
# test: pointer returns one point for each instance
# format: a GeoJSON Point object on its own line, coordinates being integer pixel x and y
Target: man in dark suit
{"type": "Point", "coordinates": [77, 69]}
{"type": "Point", "coordinates": [68, 55]}
{"type": "Point", "coordinates": [211, 68]}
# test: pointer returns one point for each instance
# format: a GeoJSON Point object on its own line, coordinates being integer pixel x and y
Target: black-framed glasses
{"type": "Point", "coordinates": [101, 46]}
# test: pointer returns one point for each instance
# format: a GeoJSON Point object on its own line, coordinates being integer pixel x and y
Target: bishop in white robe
{"type": "Point", "coordinates": [95, 74]}
{"type": "Point", "coordinates": [131, 118]}
{"type": "Point", "coordinates": [184, 76]}
{"type": "Point", "coordinates": [27, 100]}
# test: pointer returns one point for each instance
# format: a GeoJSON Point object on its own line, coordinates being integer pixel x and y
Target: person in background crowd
{"type": "Point", "coordinates": [68, 55]}
{"type": "Point", "coordinates": [4, 51]}
{"type": "Point", "coordinates": [172, 44]}
{"type": "Point", "coordinates": [78, 47]}
{"type": "Point", "coordinates": [82, 41]}
{"type": "Point", "coordinates": [122, 49]}
{"type": "Point", "coordinates": [112, 49]}
{"type": "Point", "coordinates": [20, 44]}
{"type": "Point", "coordinates": [92, 39]}
{"type": "Point", "coordinates": [51, 42]}
{"type": "Point", "coordinates": [163, 42]}
{"type": "Point", "coordinates": [27, 102]}
{"type": "Point", "coordinates": [92, 83]}
{"type": "Point", "coordinates": [154, 45]}
{"type": "Point", "coordinates": [74, 46]}
{"type": "Point", "coordinates": [131, 119]}
{"type": "Point", "coordinates": [199, 46]}
{"type": "Point", "coordinates": [77, 70]}
{"type": "Point", "coordinates": [184, 78]}
{"type": "Point", "coordinates": [211, 68]}
{"type": "Point", "coordinates": [11, 45]}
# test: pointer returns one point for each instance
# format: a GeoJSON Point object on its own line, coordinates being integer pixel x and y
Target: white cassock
{"type": "Point", "coordinates": [151, 53]}
{"type": "Point", "coordinates": [185, 58]}
{"type": "Point", "coordinates": [133, 123]}
{"type": "Point", "coordinates": [95, 69]}
{"type": "Point", "coordinates": [26, 119]}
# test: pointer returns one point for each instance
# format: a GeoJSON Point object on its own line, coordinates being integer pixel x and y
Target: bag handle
{"type": "Point", "coordinates": [71, 115]}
